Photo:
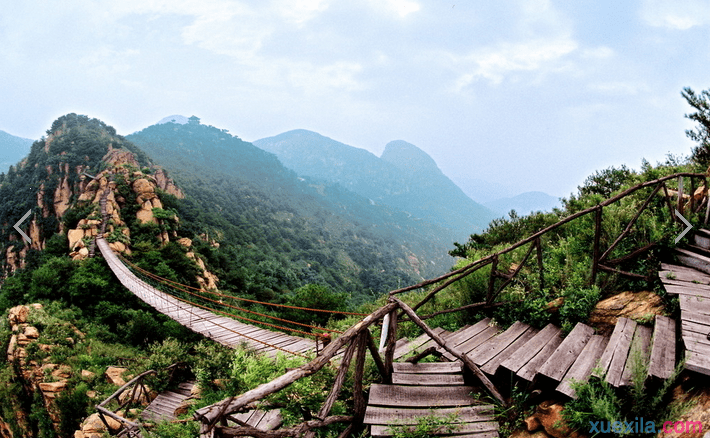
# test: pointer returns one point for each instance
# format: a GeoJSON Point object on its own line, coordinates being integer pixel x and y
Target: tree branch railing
{"type": "Point", "coordinates": [137, 388]}
{"type": "Point", "coordinates": [599, 258]}
{"type": "Point", "coordinates": [357, 341]}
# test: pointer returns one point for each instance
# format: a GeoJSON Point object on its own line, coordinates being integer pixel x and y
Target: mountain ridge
{"type": "Point", "coordinates": [405, 177]}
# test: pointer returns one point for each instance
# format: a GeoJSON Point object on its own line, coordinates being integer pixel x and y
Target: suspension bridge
{"type": "Point", "coordinates": [481, 352]}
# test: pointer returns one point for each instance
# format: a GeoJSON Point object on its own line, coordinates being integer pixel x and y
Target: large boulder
{"type": "Point", "coordinates": [639, 306]}
{"type": "Point", "coordinates": [548, 416]}
{"type": "Point", "coordinates": [114, 375]}
{"type": "Point", "coordinates": [18, 314]}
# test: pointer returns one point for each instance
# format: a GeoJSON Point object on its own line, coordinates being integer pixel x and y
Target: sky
{"type": "Point", "coordinates": [530, 94]}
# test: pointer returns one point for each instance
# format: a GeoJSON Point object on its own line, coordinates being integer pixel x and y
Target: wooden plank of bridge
{"type": "Point", "coordinates": [495, 345]}
{"type": "Point", "coordinates": [394, 406]}
{"type": "Point", "coordinates": [530, 369]}
{"type": "Point", "coordinates": [567, 352]}
{"type": "Point", "coordinates": [162, 408]}
{"type": "Point", "coordinates": [428, 368]}
{"type": "Point", "coordinates": [531, 348]}
{"type": "Point", "coordinates": [403, 350]}
{"type": "Point", "coordinates": [474, 341]}
{"type": "Point", "coordinates": [491, 367]}
{"type": "Point", "coordinates": [640, 350]}
{"type": "Point", "coordinates": [582, 367]}
{"type": "Point", "coordinates": [420, 397]}
{"type": "Point", "coordinates": [410, 379]}
{"type": "Point", "coordinates": [662, 361]}
{"type": "Point", "coordinates": [464, 336]}
{"type": "Point", "coordinates": [614, 357]}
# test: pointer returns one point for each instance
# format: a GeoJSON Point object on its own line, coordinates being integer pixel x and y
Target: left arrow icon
{"type": "Point", "coordinates": [17, 227]}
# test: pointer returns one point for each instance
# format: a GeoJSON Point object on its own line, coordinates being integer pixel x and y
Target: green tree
{"type": "Point", "coordinates": [701, 133]}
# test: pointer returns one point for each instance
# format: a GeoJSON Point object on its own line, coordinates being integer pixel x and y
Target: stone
{"type": "Point", "coordinates": [639, 306]}
{"type": "Point", "coordinates": [31, 332]}
{"type": "Point", "coordinates": [18, 314]}
{"type": "Point", "coordinates": [184, 407]}
{"type": "Point", "coordinates": [532, 424]}
{"type": "Point", "coordinates": [52, 387]}
{"type": "Point", "coordinates": [142, 186]}
{"type": "Point", "coordinates": [114, 375]}
{"type": "Point", "coordinates": [185, 241]}
{"type": "Point", "coordinates": [93, 424]}
{"type": "Point", "coordinates": [117, 246]}
{"type": "Point", "coordinates": [549, 415]}
{"type": "Point", "coordinates": [526, 434]}
{"type": "Point", "coordinates": [63, 372]}
{"type": "Point", "coordinates": [22, 339]}
{"type": "Point", "coordinates": [86, 374]}
{"type": "Point", "coordinates": [74, 237]}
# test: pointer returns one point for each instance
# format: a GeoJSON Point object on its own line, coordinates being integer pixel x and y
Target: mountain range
{"type": "Point", "coordinates": [404, 177]}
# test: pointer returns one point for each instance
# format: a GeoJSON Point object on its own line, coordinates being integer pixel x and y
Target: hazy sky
{"type": "Point", "coordinates": [533, 94]}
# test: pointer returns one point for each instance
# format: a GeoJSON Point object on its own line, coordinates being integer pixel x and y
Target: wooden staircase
{"type": "Point", "coordinates": [544, 356]}
{"type": "Point", "coordinates": [420, 390]}
{"type": "Point", "coordinates": [691, 282]}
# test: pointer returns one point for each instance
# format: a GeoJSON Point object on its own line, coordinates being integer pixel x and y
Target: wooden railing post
{"type": "Point", "coordinates": [538, 245]}
{"type": "Point", "coordinates": [492, 279]}
{"type": "Point", "coordinates": [680, 194]}
{"type": "Point", "coordinates": [692, 195]}
{"type": "Point", "coordinates": [597, 236]}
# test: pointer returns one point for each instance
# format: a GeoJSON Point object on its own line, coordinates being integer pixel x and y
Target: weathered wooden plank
{"type": "Point", "coordinates": [530, 369]}
{"type": "Point", "coordinates": [530, 349]}
{"type": "Point", "coordinates": [485, 426]}
{"type": "Point", "coordinates": [693, 304]}
{"type": "Point", "coordinates": [466, 414]}
{"type": "Point", "coordinates": [475, 341]}
{"type": "Point", "coordinates": [271, 420]}
{"type": "Point", "coordinates": [489, 349]}
{"type": "Point", "coordinates": [427, 379]}
{"type": "Point", "coordinates": [688, 289]}
{"type": "Point", "coordinates": [432, 367]}
{"type": "Point", "coordinates": [620, 334]}
{"type": "Point", "coordinates": [582, 368]}
{"type": "Point", "coordinates": [467, 334]}
{"type": "Point", "coordinates": [640, 350]}
{"type": "Point", "coordinates": [256, 418]}
{"type": "Point", "coordinates": [702, 240]}
{"type": "Point", "coordinates": [414, 344]}
{"type": "Point", "coordinates": [424, 396]}
{"type": "Point", "coordinates": [620, 353]}
{"type": "Point", "coordinates": [697, 362]}
{"type": "Point", "coordinates": [491, 367]}
{"type": "Point", "coordinates": [564, 356]}
{"type": "Point", "coordinates": [688, 275]}
{"type": "Point", "coordinates": [693, 260]}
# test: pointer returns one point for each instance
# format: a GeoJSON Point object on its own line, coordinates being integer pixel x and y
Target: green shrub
{"type": "Point", "coordinates": [428, 426]}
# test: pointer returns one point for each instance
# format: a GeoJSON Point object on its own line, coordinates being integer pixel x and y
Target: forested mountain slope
{"type": "Point", "coordinates": [404, 177]}
{"type": "Point", "coordinates": [287, 231]}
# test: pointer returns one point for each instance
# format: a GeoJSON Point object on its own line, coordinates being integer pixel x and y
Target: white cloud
{"type": "Point", "coordinates": [401, 8]}
{"type": "Point", "coordinates": [679, 14]}
{"type": "Point", "coordinates": [495, 63]}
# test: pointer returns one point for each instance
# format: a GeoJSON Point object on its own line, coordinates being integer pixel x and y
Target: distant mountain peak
{"type": "Point", "coordinates": [408, 157]}
{"type": "Point", "coordinates": [177, 118]}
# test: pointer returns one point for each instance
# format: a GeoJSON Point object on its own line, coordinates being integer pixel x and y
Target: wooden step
{"type": "Point", "coordinates": [384, 416]}
{"type": "Point", "coordinates": [427, 379]}
{"type": "Point", "coordinates": [611, 364]}
{"type": "Point", "coordinates": [432, 367]}
{"type": "Point", "coordinates": [492, 347]}
{"type": "Point", "coordinates": [701, 238]}
{"type": "Point", "coordinates": [420, 396]}
{"type": "Point", "coordinates": [677, 273]}
{"type": "Point", "coordinates": [478, 430]}
{"type": "Point", "coordinates": [491, 367]}
{"type": "Point", "coordinates": [476, 340]}
{"type": "Point", "coordinates": [693, 260]}
{"type": "Point", "coordinates": [582, 367]}
{"type": "Point", "coordinates": [567, 352]}
{"type": "Point", "coordinates": [463, 336]}
{"type": "Point", "coordinates": [662, 361]}
{"type": "Point", "coordinates": [531, 348]}
{"type": "Point", "coordinates": [640, 351]}
{"type": "Point", "coordinates": [404, 349]}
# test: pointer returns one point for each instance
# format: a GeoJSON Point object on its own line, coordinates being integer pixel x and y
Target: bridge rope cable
{"type": "Point", "coordinates": [245, 310]}
{"type": "Point", "coordinates": [223, 295]}
{"type": "Point", "coordinates": [162, 295]}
